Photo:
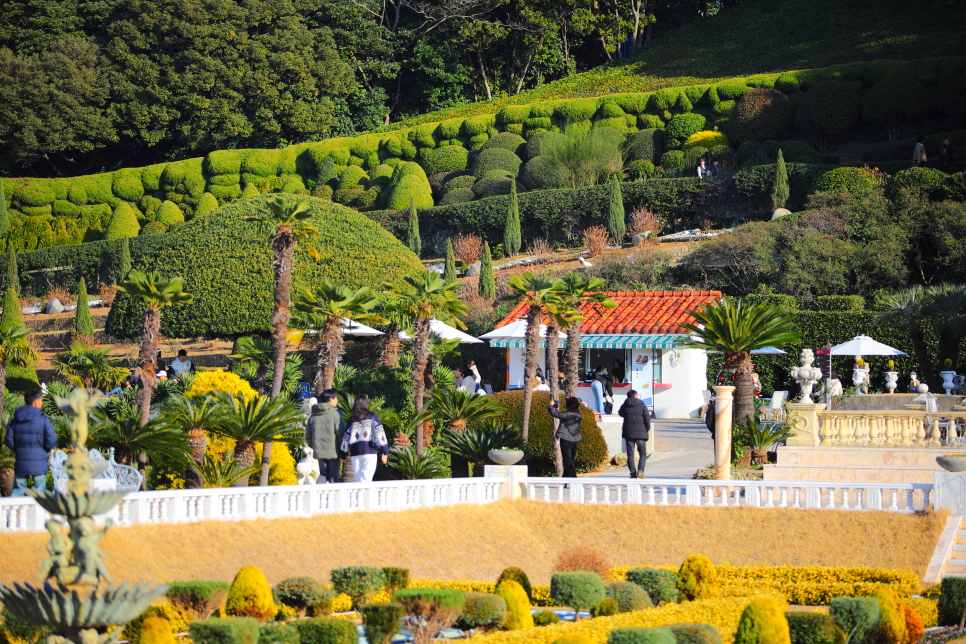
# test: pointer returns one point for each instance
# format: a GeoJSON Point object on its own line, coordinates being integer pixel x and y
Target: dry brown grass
{"type": "Point", "coordinates": [642, 220]}
{"type": "Point", "coordinates": [582, 558]}
{"type": "Point", "coordinates": [467, 248]}
{"type": "Point", "coordinates": [107, 295]}
{"type": "Point", "coordinates": [596, 239]}
{"type": "Point", "coordinates": [477, 542]}
{"type": "Point", "coordinates": [61, 293]}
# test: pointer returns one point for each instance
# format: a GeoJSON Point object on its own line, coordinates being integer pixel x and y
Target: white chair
{"type": "Point", "coordinates": [775, 412]}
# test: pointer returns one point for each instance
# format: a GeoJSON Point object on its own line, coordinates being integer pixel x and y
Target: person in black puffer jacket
{"type": "Point", "coordinates": [31, 437]}
{"type": "Point", "coordinates": [635, 431]}
{"type": "Point", "coordinates": [568, 431]}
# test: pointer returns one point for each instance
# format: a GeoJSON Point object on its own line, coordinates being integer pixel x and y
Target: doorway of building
{"type": "Point", "coordinates": [595, 358]}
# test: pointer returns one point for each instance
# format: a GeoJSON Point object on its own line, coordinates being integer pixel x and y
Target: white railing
{"type": "Point", "coordinates": [891, 497]}
{"type": "Point", "coordinates": [235, 504]}
{"type": "Point", "coordinates": [891, 428]}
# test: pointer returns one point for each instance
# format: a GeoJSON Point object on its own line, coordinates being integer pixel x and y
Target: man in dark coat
{"type": "Point", "coordinates": [635, 431]}
{"type": "Point", "coordinates": [31, 437]}
{"type": "Point", "coordinates": [323, 433]}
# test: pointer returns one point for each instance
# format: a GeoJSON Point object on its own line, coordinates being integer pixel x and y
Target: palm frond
{"type": "Point", "coordinates": [408, 466]}
{"type": "Point", "coordinates": [223, 473]}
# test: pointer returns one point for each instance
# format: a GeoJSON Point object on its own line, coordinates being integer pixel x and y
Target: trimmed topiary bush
{"type": "Point", "coordinates": [544, 173]}
{"type": "Point", "coordinates": [641, 635]}
{"type": "Point", "coordinates": [156, 630]}
{"type": "Point", "coordinates": [124, 223]}
{"type": "Point", "coordinates": [578, 590]}
{"type": "Point", "coordinates": [673, 161]}
{"type": "Point", "coordinates": [813, 628]}
{"type": "Point", "coordinates": [358, 582]}
{"type": "Point", "coordinates": [208, 202]}
{"type": "Point", "coordinates": [640, 170]}
{"type": "Point", "coordinates": [895, 101]}
{"type": "Point", "coordinates": [381, 622]}
{"type": "Point", "coordinates": [545, 618]}
{"type": "Point", "coordinates": [482, 611]}
{"type": "Point", "coordinates": [446, 159]}
{"type": "Point", "coordinates": [759, 114]}
{"type": "Point", "coordinates": [695, 634]}
{"type": "Point", "coordinates": [83, 322]}
{"type": "Point", "coordinates": [126, 185]}
{"type": "Point", "coordinates": [697, 578]}
{"type": "Point", "coordinates": [396, 579]}
{"type": "Point", "coordinates": [325, 630]}
{"type": "Point", "coordinates": [848, 179]}
{"type": "Point", "coordinates": [460, 195]}
{"type": "Point", "coordinates": [299, 593]}
{"type": "Point", "coordinates": [828, 108]}
{"type": "Point", "coordinates": [763, 622]}
{"type": "Point", "coordinates": [892, 620]}
{"type": "Point", "coordinates": [278, 634]}
{"type": "Point", "coordinates": [506, 141]}
{"type": "Point", "coordinates": [539, 143]}
{"type": "Point", "coordinates": [606, 608]}
{"type": "Point", "coordinates": [952, 601]}
{"type": "Point", "coordinates": [914, 626]}
{"type": "Point", "coordinates": [646, 145]}
{"type": "Point", "coordinates": [201, 597]}
{"type": "Point", "coordinates": [492, 186]}
{"type": "Point", "coordinates": [925, 182]}
{"type": "Point", "coordinates": [707, 139]}
{"type": "Point", "coordinates": [238, 630]}
{"type": "Point", "coordinates": [660, 585]}
{"type": "Point", "coordinates": [432, 610]}
{"type": "Point", "coordinates": [680, 127]}
{"type": "Point", "coordinates": [169, 214]}
{"type": "Point", "coordinates": [839, 302]}
{"type": "Point", "coordinates": [409, 183]}
{"type": "Point", "coordinates": [519, 576]}
{"type": "Point", "coordinates": [858, 617]}
{"type": "Point", "coordinates": [628, 595]}
{"type": "Point", "coordinates": [517, 604]}
{"type": "Point", "coordinates": [591, 451]}
{"type": "Point", "coordinates": [495, 159]}
{"type": "Point", "coordinates": [250, 595]}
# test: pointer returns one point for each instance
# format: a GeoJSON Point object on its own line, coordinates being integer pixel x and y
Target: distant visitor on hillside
{"type": "Point", "coordinates": [704, 172]}
{"type": "Point", "coordinates": [946, 152]}
{"type": "Point", "coordinates": [181, 364]}
{"type": "Point", "coordinates": [919, 152]}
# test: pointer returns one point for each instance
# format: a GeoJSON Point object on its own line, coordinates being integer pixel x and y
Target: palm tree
{"type": "Point", "coordinates": [397, 318]}
{"type": "Point", "coordinates": [158, 293]}
{"type": "Point", "coordinates": [326, 307]}
{"type": "Point", "coordinates": [577, 290]}
{"type": "Point", "coordinates": [89, 368]}
{"type": "Point", "coordinates": [255, 353]}
{"type": "Point", "coordinates": [154, 441]}
{"type": "Point", "coordinates": [946, 304]}
{"type": "Point", "coordinates": [908, 307]}
{"type": "Point", "coordinates": [459, 408]}
{"type": "Point", "coordinates": [194, 418]}
{"type": "Point", "coordinates": [224, 473]}
{"type": "Point", "coordinates": [259, 420]}
{"type": "Point", "coordinates": [427, 296]}
{"type": "Point", "coordinates": [14, 350]}
{"type": "Point", "coordinates": [567, 314]}
{"type": "Point", "coordinates": [287, 222]}
{"type": "Point", "coordinates": [541, 295]}
{"type": "Point", "coordinates": [736, 328]}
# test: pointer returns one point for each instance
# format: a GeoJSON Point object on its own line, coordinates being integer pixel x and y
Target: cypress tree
{"type": "Point", "coordinates": [124, 262]}
{"type": "Point", "coordinates": [779, 190]}
{"type": "Point", "coordinates": [449, 272]}
{"type": "Point", "coordinates": [412, 230]}
{"type": "Point", "coordinates": [13, 275]}
{"type": "Point", "coordinates": [615, 222]}
{"type": "Point", "coordinates": [4, 218]}
{"type": "Point", "coordinates": [487, 285]}
{"type": "Point", "coordinates": [511, 233]}
{"type": "Point", "coordinates": [83, 322]}
{"type": "Point", "coordinates": [19, 379]}
{"type": "Point", "coordinates": [12, 315]}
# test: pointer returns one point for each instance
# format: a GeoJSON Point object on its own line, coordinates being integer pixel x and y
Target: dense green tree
{"type": "Point", "coordinates": [511, 231]}
{"type": "Point", "coordinates": [83, 322]}
{"type": "Point", "coordinates": [449, 270]}
{"type": "Point", "coordinates": [616, 225]}
{"type": "Point", "coordinates": [413, 240]}
{"type": "Point", "coordinates": [779, 189]}
{"type": "Point", "coordinates": [124, 262]}
{"type": "Point", "coordinates": [487, 285]}
{"type": "Point", "coordinates": [13, 274]}
{"type": "Point", "coordinates": [4, 217]}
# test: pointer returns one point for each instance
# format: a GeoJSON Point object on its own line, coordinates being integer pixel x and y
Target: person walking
{"type": "Point", "coordinates": [597, 388]}
{"type": "Point", "coordinates": [568, 431]}
{"type": "Point", "coordinates": [324, 431]}
{"type": "Point", "coordinates": [919, 152]}
{"type": "Point", "coordinates": [607, 384]}
{"type": "Point", "coordinates": [31, 436]}
{"type": "Point", "coordinates": [364, 440]}
{"type": "Point", "coordinates": [946, 156]}
{"type": "Point", "coordinates": [635, 431]}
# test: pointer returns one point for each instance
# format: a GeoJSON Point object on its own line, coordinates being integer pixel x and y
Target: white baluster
{"type": "Point", "coordinates": [893, 500]}
{"type": "Point", "coordinates": [783, 500]}
{"type": "Point", "coordinates": [831, 499]}
{"type": "Point", "coordinates": [664, 495]}
{"type": "Point", "coordinates": [797, 498]}
{"type": "Point", "coordinates": [858, 498]}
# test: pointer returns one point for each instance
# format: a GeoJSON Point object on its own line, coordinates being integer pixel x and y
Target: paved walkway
{"type": "Point", "coordinates": [681, 448]}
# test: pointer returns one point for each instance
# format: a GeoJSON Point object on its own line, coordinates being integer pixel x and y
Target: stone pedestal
{"type": "Point", "coordinates": [722, 432]}
{"type": "Point", "coordinates": [512, 475]}
{"type": "Point", "coordinates": [803, 420]}
{"type": "Point", "coordinates": [949, 491]}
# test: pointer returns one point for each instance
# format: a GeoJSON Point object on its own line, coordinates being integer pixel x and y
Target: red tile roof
{"type": "Point", "coordinates": [636, 312]}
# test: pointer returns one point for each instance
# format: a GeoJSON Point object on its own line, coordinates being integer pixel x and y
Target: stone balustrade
{"type": "Point", "coordinates": [888, 428]}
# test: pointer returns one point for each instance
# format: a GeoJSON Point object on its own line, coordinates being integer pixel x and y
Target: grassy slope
{"type": "Point", "coordinates": [761, 36]}
{"type": "Point", "coordinates": [477, 542]}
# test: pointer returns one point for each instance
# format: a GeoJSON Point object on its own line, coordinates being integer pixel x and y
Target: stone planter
{"type": "Point", "coordinates": [507, 456]}
{"type": "Point", "coordinates": [952, 463]}
{"type": "Point", "coordinates": [947, 377]}
{"type": "Point", "coordinates": [892, 378]}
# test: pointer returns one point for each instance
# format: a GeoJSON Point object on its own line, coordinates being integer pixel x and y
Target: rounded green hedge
{"type": "Point", "coordinates": [544, 173]}
{"type": "Point", "coordinates": [647, 145]}
{"type": "Point", "coordinates": [493, 185]}
{"type": "Point", "coordinates": [828, 108]}
{"type": "Point", "coordinates": [153, 228]}
{"type": "Point", "coordinates": [495, 159]}
{"type": "Point", "coordinates": [895, 100]}
{"type": "Point", "coordinates": [673, 161]}
{"type": "Point", "coordinates": [462, 181]}
{"type": "Point", "coordinates": [608, 135]}
{"type": "Point", "coordinates": [124, 223]}
{"type": "Point", "coordinates": [541, 142]}
{"type": "Point", "coordinates": [169, 213]}
{"type": "Point", "coordinates": [411, 188]}
{"type": "Point", "coordinates": [680, 127]}
{"type": "Point", "coordinates": [445, 159]}
{"type": "Point", "coordinates": [760, 114]}
{"type": "Point", "coordinates": [457, 195]}
{"type": "Point", "coordinates": [591, 450]}
{"type": "Point", "coordinates": [851, 180]}
{"type": "Point", "coordinates": [226, 264]}
{"type": "Point", "coordinates": [640, 169]}
{"type": "Point", "coordinates": [506, 141]}
{"type": "Point", "coordinates": [927, 182]}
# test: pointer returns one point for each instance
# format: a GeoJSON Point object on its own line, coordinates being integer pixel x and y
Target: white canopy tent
{"type": "Point", "coordinates": [446, 332]}
{"type": "Point", "coordinates": [863, 345]}
{"type": "Point", "coordinates": [351, 327]}
{"type": "Point", "coordinates": [768, 351]}
{"type": "Point", "coordinates": [515, 331]}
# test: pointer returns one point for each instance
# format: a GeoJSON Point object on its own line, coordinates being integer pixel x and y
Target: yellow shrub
{"type": "Point", "coordinates": [573, 639]}
{"type": "Point", "coordinates": [156, 630]}
{"type": "Point", "coordinates": [517, 605]}
{"type": "Point", "coordinates": [927, 609]}
{"type": "Point", "coordinates": [281, 471]}
{"type": "Point", "coordinates": [178, 618]}
{"type": "Point", "coordinates": [892, 626]}
{"type": "Point", "coordinates": [697, 578]}
{"type": "Point", "coordinates": [763, 622]}
{"type": "Point", "coordinates": [707, 139]}
{"type": "Point", "coordinates": [206, 382]}
{"type": "Point", "coordinates": [540, 592]}
{"type": "Point", "coordinates": [250, 595]}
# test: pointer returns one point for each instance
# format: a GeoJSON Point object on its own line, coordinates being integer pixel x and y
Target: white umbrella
{"type": "Point", "coordinates": [863, 345]}
{"type": "Point", "coordinates": [515, 331]}
{"type": "Point", "coordinates": [351, 327]}
{"type": "Point", "coordinates": [446, 332]}
{"type": "Point", "coordinates": [768, 351]}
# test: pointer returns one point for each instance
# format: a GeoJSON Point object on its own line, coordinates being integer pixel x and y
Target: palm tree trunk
{"type": "Point", "coordinates": [573, 357]}
{"type": "Point", "coordinates": [532, 343]}
{"type": "Point", "coordinates": [245, 457]}
{"type": "Point", "coordinates": [421, 358]}
{"type": "Point", "coordinates": [283, 247]}
{"type": "Point", "coordinates": [197, 441]}
{"type": "Point", "coordinates": [553, 368]}
{"type": "Point", "coordinates": [150, 329]}
{"type": "Point", "coordinates": [744, 391]}
{"type": "Point", "coordinates": [332, 337]}
{"type": "Point", "coordinates": [389, 355]}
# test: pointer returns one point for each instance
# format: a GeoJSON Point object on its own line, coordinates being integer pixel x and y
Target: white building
{"type": "Point", "coordinates": [643, 335]}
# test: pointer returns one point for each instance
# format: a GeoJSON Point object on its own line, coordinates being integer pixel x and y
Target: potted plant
{"type": "Point", "coordinates": [947, 375]}
{"type": "Point", "coordinates": [891, 376]}
{"type": "Point", "coordinates": [952, 462]}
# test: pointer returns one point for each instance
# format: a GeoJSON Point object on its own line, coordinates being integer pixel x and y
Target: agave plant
{"type": "Point", "coordinates": [409, 466]}
{"type": "Point", "coordinates": [760, 436]}
{"type": "Point", "coordinates": [475, 443]}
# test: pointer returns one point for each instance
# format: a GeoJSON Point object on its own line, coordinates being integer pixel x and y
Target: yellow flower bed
{"type": "Point", "coordinates": [927, 608]}
{"type": "Point", "coordinates": [707, 139]}
{"type": "Point", "coordinates": [205, 382]}
{"type": "Point", "coordinates": [541, 592]}
{"type": "Point", "coordinates": [722, 613]}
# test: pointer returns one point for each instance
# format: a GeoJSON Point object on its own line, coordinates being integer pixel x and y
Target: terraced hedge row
{"type": "Point", "coordinates": [373, 170]}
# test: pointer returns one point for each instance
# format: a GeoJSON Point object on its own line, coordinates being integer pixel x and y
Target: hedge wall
{"type": "Point", "coordinates": [226, 263]}
{"type": "Point", "coordinates": [53, 212]}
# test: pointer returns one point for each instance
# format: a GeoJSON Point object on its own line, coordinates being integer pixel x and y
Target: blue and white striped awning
{"type": "Point", "coordinates": [630, 341]}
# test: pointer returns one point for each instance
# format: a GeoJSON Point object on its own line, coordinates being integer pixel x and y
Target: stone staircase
{"type": "Point", "coordinates": [955, 564]}
{"type": "Point", "coordinates": [949, 557]}
{"type": "Point", "coordinates": [856, 464]}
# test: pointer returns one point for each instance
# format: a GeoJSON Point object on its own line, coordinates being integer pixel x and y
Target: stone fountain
{"type": "Point", "coordinates": [78, 598]}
